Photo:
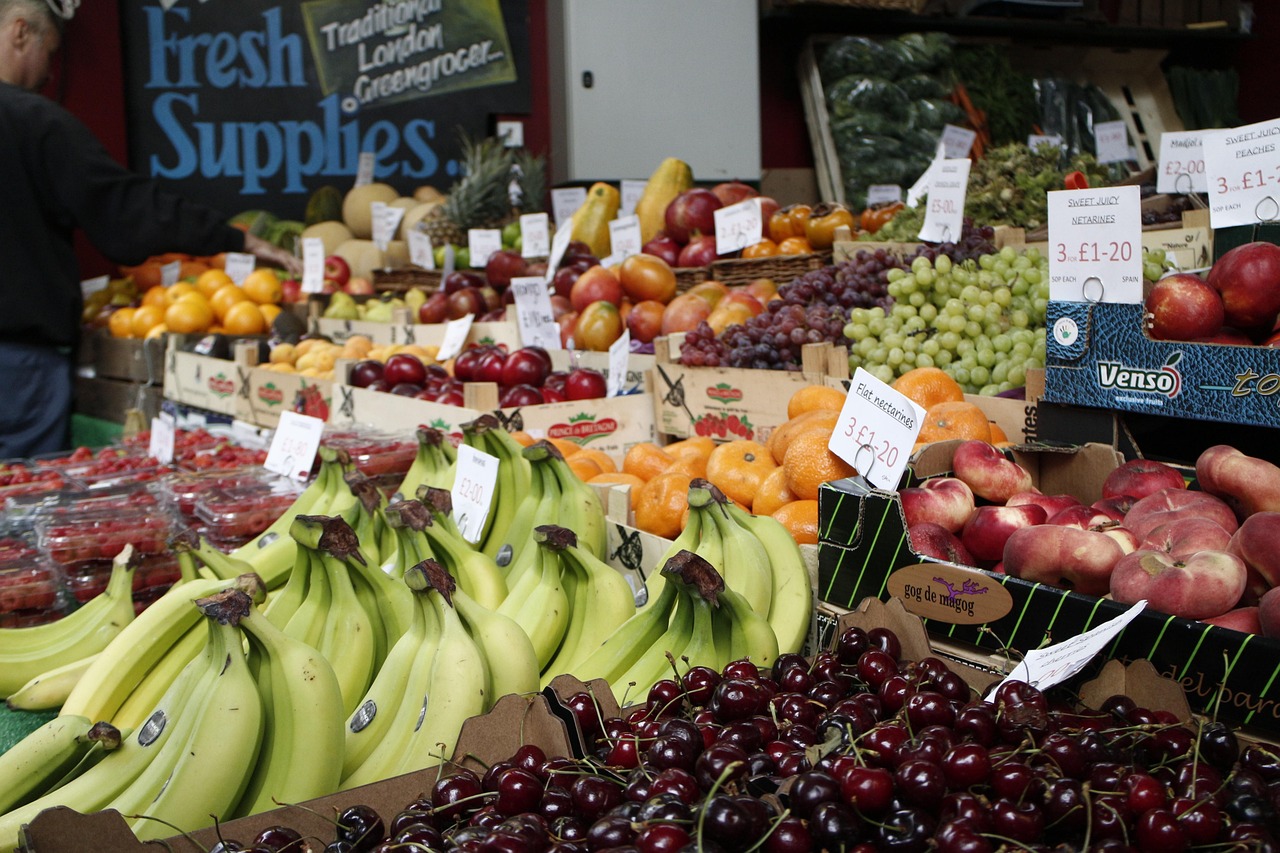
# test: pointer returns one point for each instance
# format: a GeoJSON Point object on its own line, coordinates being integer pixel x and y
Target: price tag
{"type": "Point", "coordinates": [883, 194]}
{"type": "Point", "coordinates": [535, 235]}
{"type": "Point", "coordinates": [1243, 170]}
{"type": "Point", "coordinates": [294, 445]}
{"type": "Point", "coordinates": [559, 246]}
{"type": "Point", "coordinates": [921, 186]}
{"type": "Point", "coordinates": [473, 490]}
{"type": "Point", "coordinates": [169, 273]}
{"type": "Point", "coordinates": [957, 141]}
{"type": "Point", "coordinates": [1035, 140]}
{"type": "Point", "coordinates": [738, 226]}
{"type": "Point", "coordinates": [609, 261]}
{"type": "Point", "coordinates": [450, 261]}
{"type": "Point", "coordinates": [876, 431]}
{"type": "Point", "coordinates": [631, 191]}
{"type": "Point", "coordinates": [239, 265]}
{"type": "Point", "coordinates": [944, 217]}
{"type": "Point", "coordinates": [421, 252]}
{"type": "Point", "coordinates": [93, 285]}
{"type": "Point", "coordinates": [386, 220]}
{"type": "Point", "coordinates": [1043, 668]}
{"type": "Point", "coordinates": [455, 336]}
{"type": "Point", "coordinates": [619, 352]}
{"type": "Point", "coordinates": [483, 242]}
{"type": "Point", "coordinates": [533, 312]}
{"type": "Point", "coordinates": [312, 265]}
{"type": "Point", "coordinates": [160, 447]}
{"type": "Point", "coordinates": [565, 203]}
{"type": "Point", "coordinates": [364, 168]}
{"type": "Point", "coordinates": [624, 237]}
{"type": "Point", "coordinates": [1112, 141]}
{"type": "Point", "coordinates": [1181, 163]}
{"type": "Point", "coordinates": [1095, 245]}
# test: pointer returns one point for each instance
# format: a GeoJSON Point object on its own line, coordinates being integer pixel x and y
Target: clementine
{"type": "Point", "coordinates": [739, 467]}
{"type": "Point", "coordinates": [661, 504]}
{"type": "Point", "coordinates": [809, 464]}
{"type": "Point", "coordinates": [801, 520]}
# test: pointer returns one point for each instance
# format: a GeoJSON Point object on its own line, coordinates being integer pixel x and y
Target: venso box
{"type": "Point", "coordinates": [864, 552]}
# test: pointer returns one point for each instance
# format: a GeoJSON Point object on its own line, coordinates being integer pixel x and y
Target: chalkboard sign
{"type": "Point", "coordinates": [255, 105]}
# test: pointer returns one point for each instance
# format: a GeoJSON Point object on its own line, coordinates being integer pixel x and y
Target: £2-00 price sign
{"type": "Point", "coordinates": [473, 490]}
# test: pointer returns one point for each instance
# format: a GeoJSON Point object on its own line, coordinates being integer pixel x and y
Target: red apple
{"type": "Point", "coordinates": [700, 252]}
{"type": "Point", "coordinates": [987, 471]}
{"type": "Point", "coordinates": [406, 389]}
{"type": "Point", "coordinates": [358, 285]}
{"type": "Point", "coordinates": [732, 192]}
{"type": "Point", "coordinates": [989, 527]}
{"type": "Point", "coordinates": [1183, 307]}
{"type": "Point", "coordinates": [1138, 478]}
{"type": "Point", "coordinates": [1205, 584]}
{"type": "Point", "coordinates": [291, 290]}
{"type": "Point", "coordinates": [521, 395]}
{"type": "Point", "coordinates": [1257, 543]}
{"type": "Point", "coordinates": [337, 270]}
{"type": "Point", "coordinates": [526, 366]}
{"type": "Point", "coordinates": [1186, 536]}
{"type": "Point", "coordinates": [460, 279]}
{"type": "Point", "coordinates": [365, 372]}
{"type": "Point", "coordinates": [1051, 504]}
{"type": "Point", "coordinates": [490, 364]}
{"type": "Point", "coordinates": [1246, 483]}
{"type": "Point", "coordinates": [1243, 619]}
{"type": "Point", "coordinates": [404, 368]}
{"type": "Point", "coordinates": [690, 213]}
{"type": "Point", "coordinates": [468, 300]}
{"type": "Point", "coordinates": [1063, 557]}
{"type": "Point", "coordinates": [944, 501]}
{"type": "Point", "coordinates": [930, 540]}
{"type": "Point", "coordinates": [1248, 277]}
{"type": "Point", "coordinates": [595, 285]}
{"type": "Point", "coordinates": [662, 246]}
{"type": "Point", "coordinates": [435, 309]}
{"type": "Point", "coordinates": [562, 281]}
{"type": "Point", "coordinates": [1169, 505]}
{"type": "Point", "coordinates": [503, 266]}
{"type": "Point", "coordinates": [1269, 613]}
{"type": "Point", "coordinates": [583, 383]}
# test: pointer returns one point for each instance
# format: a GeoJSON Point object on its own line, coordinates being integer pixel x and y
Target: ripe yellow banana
{"type": "Point", "coordinates": [791, 605]}
{"type": "Point", "coordinates": [750, 634]}
{"type": "Point", "coordinates": [509, 656]}
{"type": "Point", "coordinates": [474, 570]}
{"type": "Point", "coordinates": [686, 541]}
{"type": "Point", "coordinates": [652, 665]}
{"type": "Point", "coordinates": [36, 764]}
{"type": "Point", "coordinates": [580, 508]}
{"type": "Point", "coordinates": [746, 568]}
{"type": "Point", "coordinates": [49, 690]}
{"type": "Point", "coordinates": [613, 657]}
{"type": "Point", "coordinates": [539, 605]}
{"type": "Point", "coordinates": [146, 696]}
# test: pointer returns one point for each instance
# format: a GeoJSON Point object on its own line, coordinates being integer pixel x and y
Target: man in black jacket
{"type": "Point", "coordinates": [54, 177]}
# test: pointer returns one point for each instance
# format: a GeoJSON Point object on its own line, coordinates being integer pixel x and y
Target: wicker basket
{"type": "Point", "coordinates": [406, 278]}
{"type": "Point", "coordinates": [781, 268]}
{"type": "Point", "coordinates": [687, 277]}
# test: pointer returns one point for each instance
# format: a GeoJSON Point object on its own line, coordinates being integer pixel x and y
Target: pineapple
{"type": "Point", "coordinates": [532, 179]}
{"type": "Point", "coordinates": [480, 199]}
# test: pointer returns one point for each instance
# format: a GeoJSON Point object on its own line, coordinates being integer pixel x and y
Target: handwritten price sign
{"type": "Point", "coordinates": [944, 217]}
{"type": "Point", "coordinates": [1095, 239]}
{"type": "Point", "coordinates": [876, 431]}
{"type": "Point", "coordinates": [294, 445]}
{"type": "Point", "coordinates": [473, 490]}
{"type": "Point", "coordinates": [1243, 169]}
{"type": "Point", "coordinates": [1181, 163]}
{"type": "Point", "coordinates": [738, 226]}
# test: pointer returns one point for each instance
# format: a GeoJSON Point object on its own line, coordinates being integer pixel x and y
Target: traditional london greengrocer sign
{"type": "Point", "coordinates": [246, 104]}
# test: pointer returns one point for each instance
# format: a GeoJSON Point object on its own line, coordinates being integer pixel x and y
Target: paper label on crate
{"type": "Point", "coordinates": [455, 336]}
{"type": "Point", "coordinates": [944, 216]}
{"type": "Point", "coordinates": [883, 194]}
{"type": "Point", "coordinates": [421, 252]}
{"type": "Point", "coordinates": [876, 431]}
{"type": "Point", "coordinates": [533, 312]}
{"type": "Point", "coordinates": [163, 431]}
{"type": "Point", "coordinates": [565, 203]}
{"type": "Point", "coordinates": [1181, 168]}
{"type": "Point", "coordinates": [386, 221]}
{"type": "Point", "coordinates": [364, 168]}
{"type": "Point", "coordinates": [739, 226]}
{"type": "Point", "coordinates": [1043, 668]}
{"type": "Point", "coordinates": [239, 265]}
{"type": "Point", "coordinates": [1112, 141]}
{"type": "Point", "coordinates": [559, 246]}
{"type": "Point", "coordinates": [630, 191]}
{"type": "Point", "coordinates": [624, 237]}
{"type": "Point", "coordinates": [481, 243]}
{"type": "Point", "coordinates": [169, 273]}
{"type": "Point", "coordinates": [473, 490]}
{"type": "Point", "coordinates": [1242, 165]}
{"type": "Point", "coordinates": [1095, 245]}
{"type": "Point", "coordinates": [1035, 140]}
{"type": "Point", "coordinates": [535, 235]}
{"type": "Point", "coordinates": [294, 445]}
{"type": "Point", "coordinates": [957, 142]}
{"type": "Point", "coordinates": [950, 594]}
{"type": "Point", "coordinates": [312, 265]}
{"type": "Point", "coordinates": [619, 353]}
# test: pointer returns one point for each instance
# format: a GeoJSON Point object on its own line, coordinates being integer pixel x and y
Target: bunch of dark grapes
{"type": "Point", "coordinates": [975, 241]}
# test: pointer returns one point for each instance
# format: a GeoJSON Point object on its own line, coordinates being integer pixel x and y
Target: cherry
{"type": "Point", "coordinates": [664, 699]}
{"type": "Point", "coordinates": [532, 758]}
{"type": "Point", "coordinates": [698, 683]}
{"type": "Point", "coordinates": [976, 722]}
{"type": "Point", "coordinates": [828, 692]}
{"type": "Point", "coordinates": [419, 834]}
{"type": "Point", "coordinates": [959, 836]}
{"type": "Point", "coordinates": [566, 829]}
{"type": "Point", "coordinates": [966, 806]}
{"type": "Point", "coordinates": [868, 789]}
{"type": "Point", "coordinates": [1066, 754]}
{"type": "Point", "coordinates": [928, 708]}
{"type": "Point", "coordinates": [495, 772]}
{"type": "Point", "coordinates": [718, 760]}
{"type": "Point", "coordinates": [930, 750]}
{"type": "Point", "coordinates": [595, 795]}
{"type": "Point", "coordinates": [610, 831]}
{"type": "Point", "coordinates": [672, 751]}
{"type": "Point", "coordinates": [1264, 761]}
{"type": "Point", "coordinates": [904, 830]}
{"type": "Point", "coordinates": [625, 752]}
{"type": "Point", "coordinates": [1143, 793]}
{"type": "Point", "coordinates": [852, 643]}
{"type": "Point", "coordinates": [403, 820]}
{"type": "Point", "coordinates": [875, 666]}
{"type": "Point", "coordinates": [795, 680]}
{"type": "Point", "coordinates": [488, 817]}
{"type": "Point", "coordinates": [1202, 820]}
{"type": "Point", "coordinates": [727, 822]}
{"type": "Point", "coordinates": [556, 802]}
{"type": "Point", "coordinates": [742, 734]}
{"type": "Point", "coordinates": [794, 708]}
{"type": "Point", "coordinates": [743, 669]}
{"type": "Point", "coordinates": [734, 699]}
{"type": "Point", "coordinates": [885, 640]}
{"type": "Point", "coordinates": [518, 791]}
{"type": "Point", "coordinates": [921, 783]}
{"type": "Point", "coordinates": [790, 835]}
{"type": "Point", "coordinates": [1021, 821]}
{"type": "Point", "coordinates": [677, 783]}
{"type": "Point", "coordinates": [360, 826]}
{"type": "Point", "coordinates": [894, 691]}
{"type": "Point", "coordinates": [1064, 805]}
{"type": "Point", "coordinates": [1218, 745]}
{"type": "Point", "coordinates": [883, 742]}
{"type": "Point", "coordinates": [639, 786]}
{"type": "Point", "coordinates": [661, 838]}
{"type": "Point", "coordinates": [1158, 829]}
{"type": "Point", "coordinates": [281, 839]}
{"type": "Point", "coordinates": [966, 765]}
{"type": "Point", "coordinates": [811, 789]}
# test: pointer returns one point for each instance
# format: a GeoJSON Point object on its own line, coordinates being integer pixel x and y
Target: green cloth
{"type": "Point", "coordinates": [94, 432]}
{"type": "Point", "coordinates": [15, 725]}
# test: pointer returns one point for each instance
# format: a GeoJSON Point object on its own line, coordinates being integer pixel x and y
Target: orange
{"type": "Point", "coordinates": [183, 288]}
{"type": "Point", "coordinates": [522, 438]}
{"type": "Point", "coordinates": [954, 420]}
{"type": "Point", "coordinates": [801, 520]}
{"type": "Point", "coordinates": [927, 386]}
{"type": "Point", "coordinates": [226, 296]}
{"type": "Point", "coordinates": [188, 316]}
{"type": "Point", "coordinates": [773, 493]}
{"type": "Point", "coordinates": [212, 280]}
{"type": "Point", "coordinates": [661, 504]}
{"type": "Point", "coordinates": [809, 464]}
{"type": "Point", "coordinates": [583, 466]}
{"type": "Point", "coordinates": [263, 286]}
{"type": "Point", "coordinates": [270, 312]}
{"type": "Point", "coordinates": [146, 275]}
{"type": "Point", "coordinates": [155, 296]}
{"type": "Point", "coordinates": [781, 437]}
{"type": "Point", "coordinates": [739, 467]}
{"type": "Point", "coordinates": [120, 323]}
{"type": "Point", "coordinates": [694, 466]}
{"type": "Point", "coordinates": [158, 330]}
{"type": "Point", "coordinates": [646, 460]}
{"type": "Point", "coordinates": [998, 436]}
{"type": "Point", "coordinates": [244, 318]}
{"type": "Point", "coordinates": [567, 448]}
{"type": "Point", "coordinates": [813, 398]}
{"type": "Point", "coordinates": [604, 460]}
{"type": "Point", "coordinates": [144, 318]}
{"type": "Point", "coordinates": [699, 445]}
{"type": "Point", "coordinates": [192, 269]}
{"type": "Point", "coordinates": [618, 478]}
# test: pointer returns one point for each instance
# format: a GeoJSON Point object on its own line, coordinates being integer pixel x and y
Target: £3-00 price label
{"type": "Point", "coordinates": [473, 490]}
{"type": "Point", "coordinates": [1242, 167]}
{"type": "Point", "coordinates": [1095, 239]}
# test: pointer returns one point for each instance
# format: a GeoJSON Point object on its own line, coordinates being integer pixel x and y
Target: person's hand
{"type": "Point", "coordinates": [268, 253]}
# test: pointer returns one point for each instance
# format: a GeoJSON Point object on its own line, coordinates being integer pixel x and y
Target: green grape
{"type": "Point", "coordinates": [1017, 375]}
{"type": "Point", "coordinates": [930, 347]}
{"type": "Point", "coordinates": [895, 274]}
{"type": "Point", "coordinates": [1008, 254]}
{"type": "Point", "coordinates": [877, 312]}
{"type": "Point", "coordinates": [984, 298]}
{"type": "Point", "coordinates": [882, 372]}
{"type": "Point", "coordinates": [957, 324]}
{"type": "Point", "coordinates": [970, 294]}
{"type": "Point", "coordinates": [1019, 319]}
{"type": "Point", "coordinates": [925, 277]}
{"type": "Point", "coordinates": [960, 374]}
{"type": "Point", "coordinates": [917, 299]}
{"type": "Point", "coordinates": [979, 375]}
{"type": "Point", "coordinates": [1032, 276]}
{"type": "Point", "coordinates": [987, 357]}
{"type": "Point", "coordinates": [986, 262]}
{"type": "Point", "coordinates": [895, 289]}
{"type": "Point", "coordinates": [1002, 343]}
{"type": "Point", "coordinates": [943, 358]}
{"type": "Point", "coordinates": [972, 329]}
{"type": "Point", "coordinates": [895, 357]}
{"type": "Point", "coordinates": [965, 346]}
{"type": "Point", "coordinates": [1000, 372]}
{"type": "Point", "coordinates": [929, 313]}
{"type": "Point", "coordinates": [867, 345]}
{"type": "Point", "coordinates": [911, 344]}
{"type": "Point", "coordinates": [909, 285]}
{"type": "Point", "coordinates": [989, 390]}
{"type": "Point", "coordinates": [902, 310]}
{"type": "Point", "coordinates": [857, 331]}
{"type": "Point", "coordinates": [942, 264]}
{"type": "Point", "coordinates": [920, 262]}
{"type": "Point", "coordinates": [878, 355]}
{"type": "Point", "coordinates": [894, 339]}
{"type": "Point", "coordinates": [908, 362]}
{"type": "Point", "coordinates": [876, 326]}
{"type": "Point", "coordinates": [961, 277]}
{"type": "Point", "coordinates": [923, 359]}
{"type": "Point", "coordinates": [1020, 287]}
{"type": "Point", "coordinates": [950, 340]}
{"type": "Point", "coordinates": [976, 313]}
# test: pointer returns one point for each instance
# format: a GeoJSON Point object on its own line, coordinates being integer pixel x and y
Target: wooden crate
{"type": "Point", "coordinates": [111, 399]}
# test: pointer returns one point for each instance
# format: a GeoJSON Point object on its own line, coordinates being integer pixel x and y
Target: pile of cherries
{"type": "Point", "coordinates": [856, 750]}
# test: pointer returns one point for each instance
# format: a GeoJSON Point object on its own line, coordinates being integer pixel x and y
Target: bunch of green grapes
{"type": "Point", "coordinates": [982, 322]}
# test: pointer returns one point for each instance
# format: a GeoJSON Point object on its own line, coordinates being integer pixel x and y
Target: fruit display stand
{"type": "Point", "coordinates": [864, 552]}
{"type": "Point", "coordinates": [130, 359]}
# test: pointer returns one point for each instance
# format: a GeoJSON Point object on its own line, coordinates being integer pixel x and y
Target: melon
{"type": "Point", "coordinates": [426, 192]}
{"type": "Point", "coordinates": [356, 207]}
{"type": "Point", "coordinates": [397, 255]}
{"type": "Point", "coordinates": [333, 234]}
{"type": "Point", "coordinates": [414, 215]}
{"type": "Point", "coordinates": [363, 256]}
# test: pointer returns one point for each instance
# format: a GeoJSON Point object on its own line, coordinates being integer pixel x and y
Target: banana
{"type": "Point", "coordinates": [791, 604]}
{"type": "Point", "coordinates": [686, 541]}
{"type": "Point", "coordinates": [653, 665]}
{"type": "Point", "coordinates": [509, 656]}
{"type": "Point", "coordinates": [518, 556]}
{"type": "Point", "coordinates": [435, 464]}
{"type": "Point", "coordinates": [36, 764]}
{"type": "Point", "coordinates": [514, 479]}
{"type": "Point", "coordinates": [285, 601]}
{"type": "Point", "coordinates": [475, 571]}
{"type": "Point", "coordinates": [539, 605]}
{"type": "Point", "coordinates": [612, 658]}
{"type": "Point", "coordinates": [302, 746]}
{"type": "Point", "coordinates": [26, 653]}
{"type": "Point", "coordinates": [308, 621]}
{"type": "Point", "coordinates": [751, 635]}
{"type": "Point", "coordinates": [580, 509]}
{"type": "Point", "coordinates": [219, 564]}
{"type": "Point", "coordinates": [50, 689]}
{"type": "Point", "coordinates": [146, 696]}
{"type": "Point", "coordinates": [362, 515]}
{"type": "Point", "coordinates": [746, 569]}
{"type": "Point", "coordinates": [387, 601]}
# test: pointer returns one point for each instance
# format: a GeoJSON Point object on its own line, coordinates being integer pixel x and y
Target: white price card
{"type": "Point", "coordinates": [481, 243]}
{"type": "Point", "coordinates": [565, 203]}
{"type": "Point", "coordinates": [739, 226]}
{"type": "Point", "coordinates": [93, 285]}
{"type": "Point", "coordinates": [455, 336]}
{"type": "Point", "coordinates": [1095, 245]}
{"type": "Point", "coordinates": [1243, 169]}
{"type": "Point", "coordinates": [957, 142]}
{"type": "Point", "coordinates": [294, 445]}
{"type": "Point", "coordinates": [239, 265]}
{"type": "Point", "coordinates": [624, 237]}
{"type": "Point", "coordinates": [533, 312]}
{"type": "Point", "coordinates": [364, 168]}
{"type": "Point", "coordinates": [535, 235]}
{"type": "Point", "coordinates": [473, 490]}
{"type": "Point", "coordinates": [1112, 141]}
{"type": "Point", "coordinates": [559, 246]}
{"type": "Point", "coordinates": [921, 186]}
{"type": "Point", "coordinates": [883, 194]}
{"type": "Point", "coordinates": [619, 353]}
{"type": "Point", "coordinates": [450, 261]}
{"type": "Point", "coordinates": [160, 447]}
{"type": "Point", "coordinates": [630, 192]}
{"type": "Point", "coordinates": [312, 265]}
{"type": "Point", "coordinates": [1035, 140]}
{"type": "Point", "coordinates": [944, 215]}
{"type": "Point", "coordinates": [386, 221]}
{"type": "Point", "coordinates": [1181, 167]}
{"type": "Point", "coordinates": [876, 431]}
{"type": "Point", "coordinates": [421, 252]}
{"type": "Point", "coordinates": [169, 273]}
{"type": "Point", "coordinates": [1043, 668]}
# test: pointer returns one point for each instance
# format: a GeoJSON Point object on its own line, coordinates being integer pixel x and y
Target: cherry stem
{"type": "Point", "coordinates": [731, 767]}
{"type": "Point", "coordinates": [773, 827]}
{"type": "Point", "coordinates": [1013, 841]}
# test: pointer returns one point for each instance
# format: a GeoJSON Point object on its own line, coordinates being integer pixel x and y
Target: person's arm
{"type": "Point", "coordinates": [272, 254]}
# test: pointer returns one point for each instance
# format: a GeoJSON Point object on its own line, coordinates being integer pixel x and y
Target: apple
{"type": "Point", "coordinates": [452, 397]}
{"type": "Point", "coordinates": [406, 389]}
{"type": "Point", "coordinates": [358, 285]}
{"type": "Point", "coordinates": [1138, 478]}
{"type": "Point", "coordinates": [1204, 584]}
{"type": "Point", "coordinates": [595, 285]}
{"type": "Point", "coordinates": [1064, 557]}
{"type": "Point", "coordinates": [943, 501]}
{"type": "Point", "coordinates": [690, 213]}
{"type": "Point", "coordinates": [991, 475]}
{"type": "Point", "coordinates": [291, 290]}
{"type": "Point", "coordinates": [490, 364]}
{"type": "Point", "coordinates": [468, 300]}
{"type": "Point", "coordinates": [700, 252]}
{"type": "Point", "coordinates": [1051, 504]}
{"type": "Point", "coordinates": [365, 372]}
{"type": "Point", "coordinates": [503, 266]}
{"type": "Point", "coordinates": [1186, 536]}
{"type": "Point", "coordinates": [521, 395]}
{"type": "Point", "coordinates": [732, 192]}
{"type": "Point", "coordinates": [1183, 307]}
{"type": "Point", "coordinates": [662, 246]}
{"type": "Point", "coordinates": [1269, 613]}
{"type": "Point", "coordinates": [562, 281]}
{"type": "Point", "coordinates": [378, 385]}
{"type": "Point", "coordinates": [1247, 277]}
{"type": "Point", "coordinates": [989, 528]}
{"type": "Point", "coordinates": [459, 279]}
{"type": "Point", "coordinates": [435, 309]}
{"type": "Point", "coordinates": [1257, 543]}
{"type": "Point", "coordinates": [931, 540]}
{"type": "Point", "coordinates": [404, 368]}
{"type": "Point", "coordinates": [1246, 483]}
{"type": "Point", "coordinates": [1169, 505]}
{"type": "Point", "coordinates": [526, 366]}
{"type": "Point", "coordinates": [464, 366]}
{"type": "Point", "coordinates": [1243, 619]}
{"type": "Point", "coordinates": [337, 270]}
{"type": "Point", "coordinates": [583, 383]}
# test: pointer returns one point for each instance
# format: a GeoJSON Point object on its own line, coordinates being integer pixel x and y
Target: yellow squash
{"type": "Point", "coordinates": [671, 178]}
{"type": "Point", "coordinates": [591, 221]}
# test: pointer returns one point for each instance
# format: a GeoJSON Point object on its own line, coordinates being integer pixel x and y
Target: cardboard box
{"type": "Point", "coordinates": [199, 381]}
{"type": "Point", "coordinates": [137, 360]}
{"type": "Point", "coordinates": [264, 394]}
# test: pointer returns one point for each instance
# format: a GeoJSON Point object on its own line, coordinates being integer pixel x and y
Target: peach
{"type": "Point", "coordinates": [1138, 478]}
{"type": "Point", "coordinates": [1269, 613]}
{"type": "Point", "coordinates": [1081, 517]}
{"type": "Point", "coordinates": [1247, 484]}
{"type": "Point", "coordinates": [989, 473]}
{"type": "Point", "coordinates": [1257, 543]}
{"type": "Point", "coordinates": [1064, 557]}
{"type": "Point", "coordinates": [989, 527]}
{"type": "Point", "coordinates": [1052, 504]}
{"type": "Point", "coordinates": [1185, 536]}
{"type": "Point", "coordinates": [1170, 504]}
{"type": "Point", "coordinates": [944, 501]}
{"type": "Point", "coordinates": [1205, 584]}
{"type": "Point", "coordinates": [1243, 619]}
{"type": "Point", "coordinates": [1117, 507]}
{"type": "Point", "coordinates": [932, 540]}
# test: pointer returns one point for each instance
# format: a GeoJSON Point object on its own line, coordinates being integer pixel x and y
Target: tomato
{"type": "Point", "coordinates": [795, 246]}
{"type": "Point", "coordinates": [598, 326]}
{"type": "Point", "coordinates": [788, 222]}
{"type": "Point", "coordinates": [763, 249]}
{"type": "Point", "coordinates": [820, 228]}
{"type": "Point", "coordinates": [646, 277]}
